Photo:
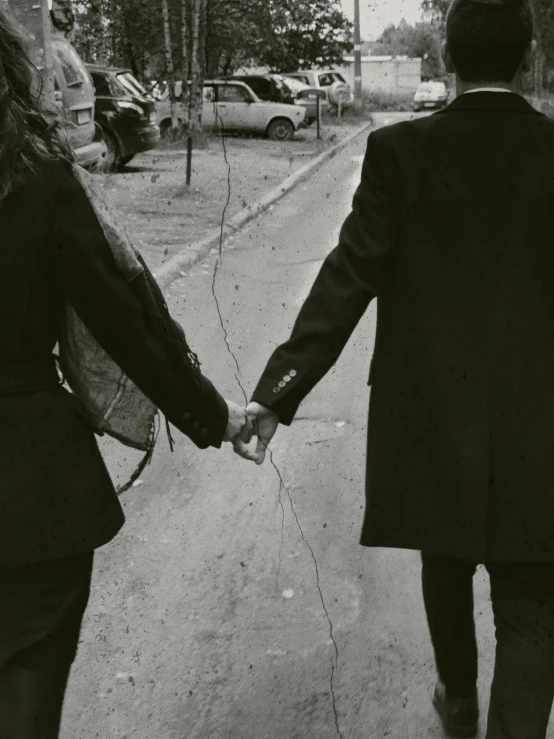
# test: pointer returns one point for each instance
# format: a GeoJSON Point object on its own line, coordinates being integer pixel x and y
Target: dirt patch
{"type": "Point", "coordinates": [163, 216]}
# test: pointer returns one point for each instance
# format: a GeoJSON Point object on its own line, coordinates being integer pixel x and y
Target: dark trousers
{"type": "Point", "coordinates": [523, 605]}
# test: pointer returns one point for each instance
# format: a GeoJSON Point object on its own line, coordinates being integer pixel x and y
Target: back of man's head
{"type": "Point", "coordinates": [487, 39]}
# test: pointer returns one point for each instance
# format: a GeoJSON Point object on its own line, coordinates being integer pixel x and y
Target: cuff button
{"type": "Point", "coordinates": [187, 416]}
{"type": "Point", "coordinates": [204, 432]}
{"type": "Point", "coordinates": [196, 425]}
{"type": "Point", "coordinates": [293, 373]}
{"type": "Point", "coordinates": [276, 389]}
{"type": "Point", "coordinates": [287, 378]}
{"type": "Point", "coordinates": [282, 384]}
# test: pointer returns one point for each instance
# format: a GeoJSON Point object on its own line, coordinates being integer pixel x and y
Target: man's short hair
{"type": "Point", "coordinates": [487, 39]}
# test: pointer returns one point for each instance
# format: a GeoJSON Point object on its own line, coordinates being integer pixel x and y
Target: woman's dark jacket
{"type": "Point", "coordinates": [56, 497]}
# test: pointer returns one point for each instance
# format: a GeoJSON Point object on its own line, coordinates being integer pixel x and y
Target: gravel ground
{"type": "Point", "coordinates": [163, 216]}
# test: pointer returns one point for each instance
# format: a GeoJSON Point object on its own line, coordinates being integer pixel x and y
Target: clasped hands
{"type": "Point", "coordinates": [244, 424]}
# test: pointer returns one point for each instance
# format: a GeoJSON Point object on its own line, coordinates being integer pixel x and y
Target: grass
{"type": "Point", "coordinates": [386, 102]}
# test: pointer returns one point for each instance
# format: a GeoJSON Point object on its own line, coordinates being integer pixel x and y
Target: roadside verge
{"type": "Point", "coordinates": [177, 264]}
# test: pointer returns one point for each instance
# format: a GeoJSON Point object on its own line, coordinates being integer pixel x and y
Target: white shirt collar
{"type": "Point", "coordinates": [487, 89]}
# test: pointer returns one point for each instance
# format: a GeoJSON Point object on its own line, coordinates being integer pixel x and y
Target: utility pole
{"type": "Point", "coordinates": [33, 16]}
{"type": "Point", "coordinates": [357, 52]}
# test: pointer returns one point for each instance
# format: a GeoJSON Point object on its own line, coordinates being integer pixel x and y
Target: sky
{"type": "Point", "coordinates": [376, 15]}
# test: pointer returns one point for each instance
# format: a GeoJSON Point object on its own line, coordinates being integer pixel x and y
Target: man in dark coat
{"type": "Point", "coordinates": [452, 230]}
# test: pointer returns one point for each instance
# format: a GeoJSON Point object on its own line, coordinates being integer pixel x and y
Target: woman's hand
{"type": "Point", "coordinates": [239, 425]}
{"type": "Point", "coordinates": [265, 423]}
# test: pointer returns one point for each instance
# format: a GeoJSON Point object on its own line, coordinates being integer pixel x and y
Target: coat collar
{"type": "Point", "coordinates": [489, 101]}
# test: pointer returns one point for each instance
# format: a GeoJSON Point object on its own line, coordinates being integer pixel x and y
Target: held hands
{"type": "Point", "coordinates": [244, 424]}
{"type": "Point", "coordinates": [239, 426]}
{"type": "Point", "coordinates": [265, 424]}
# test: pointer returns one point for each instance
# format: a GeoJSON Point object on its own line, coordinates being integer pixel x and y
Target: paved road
{"type": "Point", "coordinates": [236, 603]}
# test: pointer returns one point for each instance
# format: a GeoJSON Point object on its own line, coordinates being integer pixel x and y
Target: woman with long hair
{"type": "Point", "coordinates": [57, 502]}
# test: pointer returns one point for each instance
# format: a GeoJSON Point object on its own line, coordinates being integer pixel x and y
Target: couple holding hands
{"type": "Point", "coordinates": [451, 231]}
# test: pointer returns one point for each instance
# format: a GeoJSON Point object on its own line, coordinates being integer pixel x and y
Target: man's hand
{"type": "Point", "coordinates": [239, 425]}
{"type": "Point", "coordinates": [265, 424]}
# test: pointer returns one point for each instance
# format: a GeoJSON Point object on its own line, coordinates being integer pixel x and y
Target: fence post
{"type": "Point", "coordinates": [318, 108]}
{"type": "Point", "coordinates": [189, 158]}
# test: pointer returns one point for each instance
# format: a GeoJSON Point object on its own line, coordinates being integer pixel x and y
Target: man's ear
{"type": "Point", "coordinates": [447, 59]}
{"type": "Point", "coordinates": [527, 62]}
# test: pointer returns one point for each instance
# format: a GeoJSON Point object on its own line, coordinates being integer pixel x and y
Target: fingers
{"type": "Point", "coordinates": [256, 454]}
{"type": "Point", "coordinates": [247, 430]}
{"type": "Point", "coordinates": [261, 448]}
{"type": "Point", "coordinates": [240, 448]}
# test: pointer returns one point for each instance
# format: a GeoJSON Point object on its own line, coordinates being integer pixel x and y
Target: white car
{"type": "Point", "coordinates": [431, 95]}
{"type": "Point", "coordinates": [333, 83]}
{"type": "Point", "coordinates": [233, 106]}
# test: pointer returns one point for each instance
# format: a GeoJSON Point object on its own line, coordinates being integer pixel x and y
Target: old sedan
{"type": "Point", "coordinates": [232, 106]}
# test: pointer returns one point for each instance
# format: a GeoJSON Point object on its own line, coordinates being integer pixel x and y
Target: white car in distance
{"type": "Point", "coordinates": [334, 85]}
{"type": "Point", "coordinates": [232, 106]}
{"type": "Point", "coordinates": [431, 96]}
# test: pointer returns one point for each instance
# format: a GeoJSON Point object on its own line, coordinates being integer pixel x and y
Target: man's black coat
{"type": "Point", "coordinates": [452, 229]}
{"type": "Point", "coordinates": [56, 498]}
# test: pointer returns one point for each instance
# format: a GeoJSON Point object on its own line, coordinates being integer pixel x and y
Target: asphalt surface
{"type": "Point", "coordinates": [236, 603]}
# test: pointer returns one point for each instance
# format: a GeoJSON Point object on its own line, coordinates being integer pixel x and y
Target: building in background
{"type": "Point", "coordinates": [395, 77]}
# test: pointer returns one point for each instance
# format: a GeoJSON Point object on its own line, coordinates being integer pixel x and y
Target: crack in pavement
{"type": "Point", "coordinates": [334, 664]}
{"type": "Point", "coordinates": [282, 486]}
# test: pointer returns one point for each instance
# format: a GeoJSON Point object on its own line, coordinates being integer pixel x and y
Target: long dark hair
{"type": "Point", "coordinates": [29, 131]}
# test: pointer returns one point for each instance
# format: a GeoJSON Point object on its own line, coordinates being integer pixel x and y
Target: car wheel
{"type": "Point", "coordinates": [280, 130]}
{"type": "Point", "coordinates": [113, 157]}
{"type": "Point", "coordinates": [126, 159]}
{"type": "Point", "coordinates": [165, 127]}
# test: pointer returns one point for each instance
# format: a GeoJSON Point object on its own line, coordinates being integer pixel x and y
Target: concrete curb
{"type": "Point", "coordinates": [193, 253]}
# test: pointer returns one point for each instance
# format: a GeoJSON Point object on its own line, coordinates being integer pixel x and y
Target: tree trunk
{"type": "Point", "coordinates": [97, 48]}
{"type": "Point", "coordinates": [185, 56]}
{"type": "Point", "coordinates": [169, 67]}
{"type": "Point", "coordinates": [196, 69]}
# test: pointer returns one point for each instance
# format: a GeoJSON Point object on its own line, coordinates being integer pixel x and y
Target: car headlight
{"type": "Point", "coordinates": [126, 105]}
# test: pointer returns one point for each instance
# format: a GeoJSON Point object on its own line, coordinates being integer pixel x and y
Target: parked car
{"type": "Point", "coordinates": [233, 106]}
{"type": "Point", "coordinates": [333, 83]}
{"type": "Point", "coordinates": [431, 95]}
{"type": "Point", "coordinates": [278, 89]}
{"type": "Point", "coordinates": [74, 94]}
{"type": "Point", "coordinates": [125, 113]}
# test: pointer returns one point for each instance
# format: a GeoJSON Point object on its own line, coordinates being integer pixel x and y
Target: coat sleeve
{"type": "Point", "coordinates": [113, 313]}
{"type": "Point", "coordinates": [351, 276]}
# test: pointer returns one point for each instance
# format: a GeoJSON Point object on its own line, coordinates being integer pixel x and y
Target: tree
{"type": "Point", "coordinates": [541, 77]}
{"type": "Point", "coordinates": [304, 33]}
{"type": "Point", "coordinates": [420, 41]}
{"type": "Point", "coordinates": [168, 48]}
{"type": "Point", "coordinates": [283, 35]}
{"type": "Point", "coordinates": [436, 9]}
{"type": "Point", "coordinates": [197, 67]}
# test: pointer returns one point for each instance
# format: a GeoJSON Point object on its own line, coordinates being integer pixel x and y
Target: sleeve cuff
{"type": "Point", "coordinates": [279, 395]}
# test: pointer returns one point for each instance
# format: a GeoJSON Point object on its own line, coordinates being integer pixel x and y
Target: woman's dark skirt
{"type": "Point", "coordinates": [41, 610]}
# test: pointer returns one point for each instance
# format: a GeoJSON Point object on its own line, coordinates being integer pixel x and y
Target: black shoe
{"type": "Point", "coordinates": [460, 716]}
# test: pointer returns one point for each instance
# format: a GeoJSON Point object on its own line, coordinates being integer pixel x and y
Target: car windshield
{"type": "Point", "coordinates": [300, 77]}
{"type": "Point", "coordinates": [74, 70]}
{"type": "Point", "coordinates": [107, 85]}
{"type": "Point", "coordinates": [131, 84]}
{"type": "Point", "coordinates": [295, 85]}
